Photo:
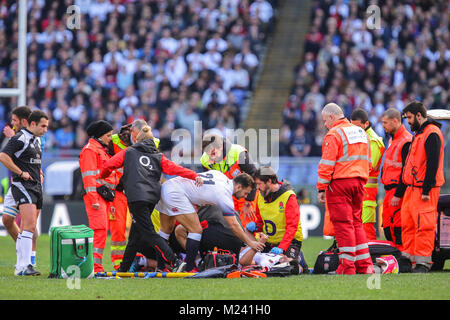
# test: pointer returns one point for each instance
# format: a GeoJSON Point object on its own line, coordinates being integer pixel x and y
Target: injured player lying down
{"type": "Point", "coordinates": [179, 195]}
{"type": "Point", "coordinates": [247, 257]}
{"type": "Point", "coordinates": [269, 260]}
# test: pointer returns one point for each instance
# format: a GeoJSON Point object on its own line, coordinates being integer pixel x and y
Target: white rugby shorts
{"type": "Point", "coordinates": [174, 202]}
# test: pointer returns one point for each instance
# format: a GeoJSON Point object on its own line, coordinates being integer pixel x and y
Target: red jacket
{"type": "Point", "coordinates": [92, 158]}
{"type": "Point", "coordinates": [345, 154]}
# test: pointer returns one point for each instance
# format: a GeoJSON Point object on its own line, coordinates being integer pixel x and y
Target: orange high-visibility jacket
{"type": "Point", "coordinates": [345, 154]}
{"type": "Point", "coordinates": [92, 157]}
{"type": "Point", "coordinates": [416, 162]}
{"type": "Point", "coordinates": [392, 167]}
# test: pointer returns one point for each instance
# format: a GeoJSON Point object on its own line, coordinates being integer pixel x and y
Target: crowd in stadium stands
{"type": "Point", "coordinates": [352, 61]}
{"type": "Point", "coordinates": [169, 62]}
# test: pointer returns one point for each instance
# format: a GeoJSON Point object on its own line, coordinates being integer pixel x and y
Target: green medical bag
{"type": "Point", "coordinates": [71, 252]}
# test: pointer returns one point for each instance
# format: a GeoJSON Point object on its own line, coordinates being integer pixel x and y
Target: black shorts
{"type": "Point", "coordinates": [23, 195]}
{"type": "Point", "coordinates": [217, 236]}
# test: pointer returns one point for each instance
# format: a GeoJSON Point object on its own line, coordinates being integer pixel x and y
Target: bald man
{"type": "Point", "coordinates": [394, 160]}
{"type": "Point", "coordinates": [343, 172]}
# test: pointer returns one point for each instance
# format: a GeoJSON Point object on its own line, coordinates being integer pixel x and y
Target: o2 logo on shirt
{"type": "Point", "coordinates": [145, 161]}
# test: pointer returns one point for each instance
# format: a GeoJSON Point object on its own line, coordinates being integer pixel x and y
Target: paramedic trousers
{"type": "Point", "coordinates": [392, 219]}
{"type": "Point", "coordinates": [419, 219]}
{"type": "Point", "coordinates": [344, 199]}
{"type": "Point", "coordinates": [98, 221]}
{"type": "Point", "coordinates": [117, 227]}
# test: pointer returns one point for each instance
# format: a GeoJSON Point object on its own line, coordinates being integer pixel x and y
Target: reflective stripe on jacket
{"type": "Point", "coordinates": [92, 158]}
{"type": "Point", "coordinates": [376, 151]}
{"type": "Point", "coordinates": [416, 162]}
{"type": "Point", "coordinates": [229, 165]}
{"type": "Point", "coordinates": [392, 167]}
{"type": "Point", "coordinates": [345, 154]}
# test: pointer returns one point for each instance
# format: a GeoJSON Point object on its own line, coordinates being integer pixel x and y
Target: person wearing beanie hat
{"type": "Point", "coordinates": [99, 128]}
{"type": "Point", "coordinates": [99, 193]}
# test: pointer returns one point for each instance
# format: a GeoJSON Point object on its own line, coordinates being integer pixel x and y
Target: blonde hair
{"type": "Point", "coordinates": [145, 133]}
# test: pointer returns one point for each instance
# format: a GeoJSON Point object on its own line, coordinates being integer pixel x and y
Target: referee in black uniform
{"type": "Point", "coordinates": [22, 155]}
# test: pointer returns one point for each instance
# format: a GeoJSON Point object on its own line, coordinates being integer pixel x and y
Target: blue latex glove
{"type": "Point", "coordinates": [277, 250]}
{"type": "Point", "coordinates": [251, 226]}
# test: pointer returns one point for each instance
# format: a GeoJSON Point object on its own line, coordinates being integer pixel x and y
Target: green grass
{"type": "Point", "coordinates": [303, 287]}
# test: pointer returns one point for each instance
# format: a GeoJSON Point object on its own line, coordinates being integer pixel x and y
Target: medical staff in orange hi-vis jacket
{"type": "Point", "coordinates": [343, 172]}
{"type": "Point", "coordinates": [99, 193]}
{"type": "Point", "coordinates": [423, 175]}
{"type": "Point", "coordinates": [394, 159]}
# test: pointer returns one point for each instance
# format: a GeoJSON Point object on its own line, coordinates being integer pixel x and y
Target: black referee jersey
{"type": "Point", "coordinates": [25, 151]}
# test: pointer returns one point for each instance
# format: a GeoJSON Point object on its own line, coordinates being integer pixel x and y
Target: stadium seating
{"type": "Point", "coordinates": [347, 59]}
{"type": "Point", "coordinates": [169, 62]}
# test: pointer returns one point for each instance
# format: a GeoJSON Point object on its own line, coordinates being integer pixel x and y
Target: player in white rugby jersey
{"type": "Point", "coordinates": [178, 195]}
{"type": "Point", "coordinates": [268, 260]}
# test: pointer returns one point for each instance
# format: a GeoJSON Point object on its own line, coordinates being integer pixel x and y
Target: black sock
{"type": "Point", "coordinates": [192, 247]}
{"type": "Point", "coordinates": [161, 262]}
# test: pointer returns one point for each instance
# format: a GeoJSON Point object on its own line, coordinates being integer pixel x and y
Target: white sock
{"type": "Point", "coordinates": [18, 251]}
{"type": "Point", "coordinates": [26, 244]}
{"type": "Point", "coordinates": [164, 235]}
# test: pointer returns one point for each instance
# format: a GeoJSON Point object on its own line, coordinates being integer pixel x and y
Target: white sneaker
{"type": "Point", "coordinates": [18, 271]}
{"type": "Point", "coordinates": [180, 268]}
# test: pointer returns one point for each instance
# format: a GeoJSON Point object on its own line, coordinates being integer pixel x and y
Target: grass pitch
{"type": "Point", "coordinates": [303, 287]}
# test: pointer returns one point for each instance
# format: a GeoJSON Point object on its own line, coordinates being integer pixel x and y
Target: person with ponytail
{"type": "Point", "coordinates": [143, 165]}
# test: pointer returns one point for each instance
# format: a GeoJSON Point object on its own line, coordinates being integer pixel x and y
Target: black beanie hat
{"type": "Point", "coordinates": [98, 128]}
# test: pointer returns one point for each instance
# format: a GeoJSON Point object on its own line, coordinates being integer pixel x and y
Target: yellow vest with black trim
{"type": "Point", "coordinates": [229, 165]}
{"type": "Point", "coordinates": [274, 217]}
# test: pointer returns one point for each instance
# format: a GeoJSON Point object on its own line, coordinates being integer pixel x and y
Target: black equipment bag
{"type": "Point", "coordinates": [218, 258]}
{"type": "Point", "coordinates": [328, 260]}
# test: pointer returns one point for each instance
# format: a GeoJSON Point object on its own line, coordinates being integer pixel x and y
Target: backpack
{"type": "Point", "coordinates": [328, 260]}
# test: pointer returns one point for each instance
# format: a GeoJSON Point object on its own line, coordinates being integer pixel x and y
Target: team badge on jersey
{"type": "Point", "coordinates": [235, 173]}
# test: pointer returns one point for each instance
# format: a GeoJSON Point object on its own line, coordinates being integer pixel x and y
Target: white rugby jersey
{"type": "Point", "coordinates": [217, 189]}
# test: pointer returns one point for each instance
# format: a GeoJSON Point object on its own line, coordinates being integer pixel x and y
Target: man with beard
{"type": "Point", "coordinates": [394, 160]}
{"type": "Point", "coordinates": [278, 214]}
{"type": "Point", "coordinates": [423, 174]}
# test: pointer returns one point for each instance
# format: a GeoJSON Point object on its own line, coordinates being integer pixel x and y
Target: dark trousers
{"type": "Point", "coordinates": [216, 235]}
{"type": "Point", "coordinates": [143, 237]}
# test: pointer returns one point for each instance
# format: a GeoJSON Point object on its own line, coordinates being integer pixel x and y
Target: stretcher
{"type": "Point", "coordinates": [145, 275]}
{"type": "Point", "coordinates": [441, 250]}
